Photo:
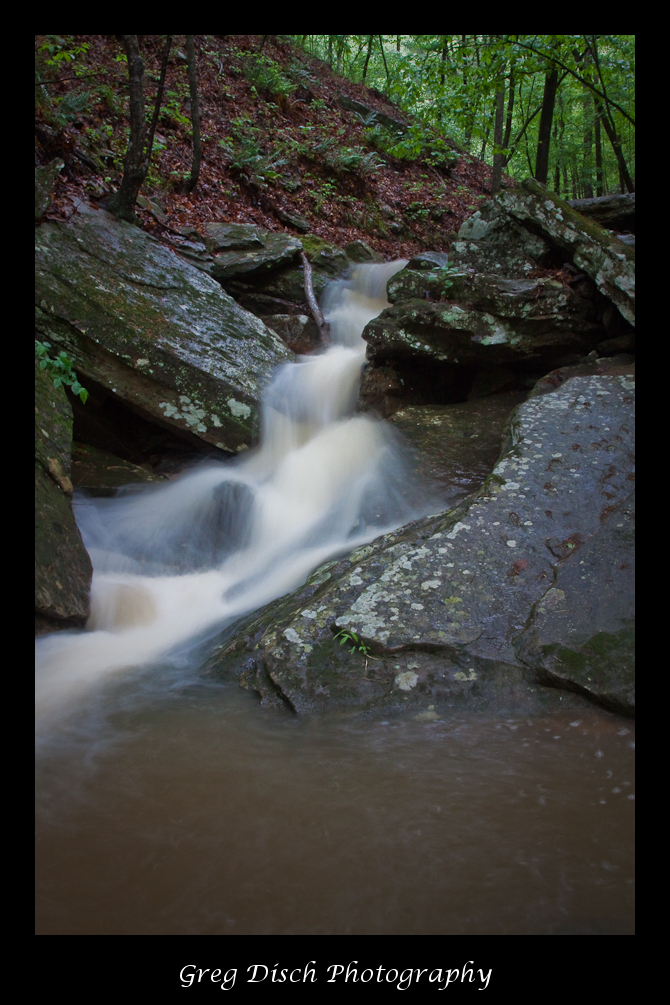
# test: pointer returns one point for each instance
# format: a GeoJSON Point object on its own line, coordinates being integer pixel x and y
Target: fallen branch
{"type": "Point", "coordinates": [321, 323]}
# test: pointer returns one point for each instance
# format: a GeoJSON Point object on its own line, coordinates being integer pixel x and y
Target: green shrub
{"type": "Point", "coordinates": [60, 368]}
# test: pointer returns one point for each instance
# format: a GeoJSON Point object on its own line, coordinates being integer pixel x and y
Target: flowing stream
{"type": "Point", "coordinates": [172, 805]}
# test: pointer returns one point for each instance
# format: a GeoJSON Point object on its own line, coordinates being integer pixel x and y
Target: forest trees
{"type": "Point", "coordinates": [559, 107]}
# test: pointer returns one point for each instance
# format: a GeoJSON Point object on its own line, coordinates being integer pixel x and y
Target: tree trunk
{"type": "Point", "coordinates": [367, 58]}
{"type": "Point", "coordinates": [122, 203]}
{"type": "Point", "coordinates": [588, 146]}
{"type": "Point", "coordinates": [608, 126]}
{"type": "Point", "coordinates": [498, 157]}
{"type": "Point", "coordinates": [546, 116]}
{"type": "Point", "coordinates": [195, 113]}
{"type": "Point", "coordinates": [159, 99]}
{"type": "Point", "coordinates": [599, 156]}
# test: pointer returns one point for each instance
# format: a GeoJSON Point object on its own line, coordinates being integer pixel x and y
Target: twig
{"type": "Point", "coordinates": [321, 323]}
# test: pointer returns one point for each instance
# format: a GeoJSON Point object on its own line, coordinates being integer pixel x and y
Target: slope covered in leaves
{"type": "Point", "coordinates": [279, 147]}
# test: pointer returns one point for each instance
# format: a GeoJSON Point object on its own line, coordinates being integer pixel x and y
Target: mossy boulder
{"type": "Point", "coordinates": [152, 329]}
{"type": "Point", "coordinates": [517, 219]}
{"type": "Point", "coordinates": [62, 565]}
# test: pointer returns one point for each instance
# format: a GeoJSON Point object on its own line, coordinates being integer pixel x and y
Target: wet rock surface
{"type": "Point", "coordinates": [62, 566]}
{"type": "Point", "coordinates": [45, 182]}
{"type": "Point", "coordinates": [152, 329]}
{"type": "Point", "coordinates": [454, 447]}
{"type": "Point", "coordinates": [100, 473]}
{"type": "Point", "coordinates": [450, 610]}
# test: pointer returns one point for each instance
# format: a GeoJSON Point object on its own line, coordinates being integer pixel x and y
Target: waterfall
{"type": "Point", "coordinates": [176, 563]}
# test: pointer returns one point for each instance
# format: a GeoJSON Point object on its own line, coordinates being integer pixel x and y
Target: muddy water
{"type": "Point", "coordinates": [196, 813]}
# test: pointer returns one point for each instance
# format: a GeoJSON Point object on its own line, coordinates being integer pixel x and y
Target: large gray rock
{"type": "Point", "coordinates": [62, 566]}
{"type": "Point", "coordinates": [460, 610]}
{"type": "Point", "coordinates": [268, 252]}
{"type": "Point", "coordinates": [152, 329]}
{"type": "Point", "coordinates": [533, 321]}
{"type": "Point", "coordinates": [615, 212]}
{"type": "Point", "coordinates": [580, 240]}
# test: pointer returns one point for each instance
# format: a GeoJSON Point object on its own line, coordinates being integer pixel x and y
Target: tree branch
{"type": "Point", "coordinates": [321, 323]}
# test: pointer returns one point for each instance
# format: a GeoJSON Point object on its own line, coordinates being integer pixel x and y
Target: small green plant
{"type": "Point", "coordinates": [60, 369]}
{"type": "Point", "coordinates": [266, 75]}
{"type": "Point", "coordinates": [352, 637]}
{"type": "Point", "coordinates": [446, 275]}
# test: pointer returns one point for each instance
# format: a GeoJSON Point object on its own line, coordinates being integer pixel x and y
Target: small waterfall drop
{"type": "Point", "coordinates": [181, 561]}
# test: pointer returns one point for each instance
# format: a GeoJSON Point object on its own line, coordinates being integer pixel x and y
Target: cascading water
{"type": "Point", "coordinates": [169, 804]}
{"type": "Point", "coordinates": [176, 562]}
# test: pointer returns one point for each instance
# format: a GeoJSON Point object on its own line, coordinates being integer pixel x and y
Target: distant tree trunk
{"type": "Point", "coordinates": [498, 157]}
{"type": "Point", "coordinates": [397, 43]}
{"type": "Point", "coordinates": [195, 113]}
{"type": "Point", "coordinates": [330, 51]}
{"type": "Point", "coordinates": [599, 156]}
{"type": "Point", "coordinates": [588, 146]}
{"type": "Point", "coordinates": [443, 59]}
{"type": "Point", "coordinates": [159, 99]}
{"type": "Point", "coordinates": [557, 169]}
{"type": "Point", "coordinates": [381, 46]}
{"type": "Point", "coordinates": [367, 58]}
{"type": "Point", "coordinates": [122, 203]}
{"type": "Point", "coordinates": [546, 116]}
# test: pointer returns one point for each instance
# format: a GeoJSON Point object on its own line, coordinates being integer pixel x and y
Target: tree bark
{"type": "Point", "coordinates": [159, 99]}
{"type": "Point", "coordinates": [122, 203]}
{"type": "Point", "coordinates": [321, 323]}
{"type": "Point", "coordinates": [546, 116]}
{"type": "Point", "coordinates": [599, 156]}
{"type": "Point", "coordinates": [195, 113]}
{"type": "Point", "coordinates": [498, 156]}
{"type": "Point", "coordinates": [367, 58]}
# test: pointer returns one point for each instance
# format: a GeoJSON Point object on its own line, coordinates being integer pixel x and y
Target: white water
{"type": "Point", "coordinates": [175, 564]}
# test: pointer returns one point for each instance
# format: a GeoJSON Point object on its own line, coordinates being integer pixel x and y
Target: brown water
{"type": "Point", "coordinates": [196, 813]}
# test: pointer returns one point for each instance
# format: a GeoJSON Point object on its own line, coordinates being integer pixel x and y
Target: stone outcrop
{"type": "Point", "coordinates": [62, 566]}
{"type": "Point", "coordinates": [614, 212]}
{"type": "Point", "coordinates": [482, 606]}
{"type": "Point", "coordinates": [519, 217]}
{"type": "Point", "coordinates": [152, 329]}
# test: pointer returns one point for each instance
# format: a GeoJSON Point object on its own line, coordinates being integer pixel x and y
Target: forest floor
{"type": "Point", "coordinates": [275, 138]}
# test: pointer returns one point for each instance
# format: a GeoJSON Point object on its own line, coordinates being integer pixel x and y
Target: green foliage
{"type": "Point", "coordinates": [247, 158]}
{"type": "Point", "coordinates": [60, 368]}
{"type": "Point", "coordinates": [445, 274]}
{"type": "Point", "coordinates": [267, 76]}
{"type": "Point", "coordinates": [351, 637]}
{"type": "Point", "coordinates": [448, 84]}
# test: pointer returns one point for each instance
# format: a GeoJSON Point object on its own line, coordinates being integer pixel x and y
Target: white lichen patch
{"type": "Point", "coordinates": [431, 584]}
{"type": "Point", "coordinates": [471, 675]}
{"type": "Point", "coordinates": [238, 409]}
{"type": "Point", "coordinates": [456, 528]}
{"type": "Point", "coordinates": [406, 681]}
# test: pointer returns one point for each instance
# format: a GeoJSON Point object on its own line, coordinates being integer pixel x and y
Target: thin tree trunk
{"type": "Point", "coordinates": [381, 46]}
{"type": "Point", "coordinates": [397, 43]}
{"type": "Point", "coordinates": [367, 58]}
{"type": "Point", "coordinates": [608, 126]}
{"type": "Point", "coordinates": [498, 156]}
{"type": "Point", "coordinates": [599, 156]}
{"type": "Point", "coordinates": [195, 113]}
{"type": "Point", "coordinates": [122, 203]}
{"type": "Point", "coordinates": [544, 136]}
{"type": "Point", "coordinates": [159, 99]}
